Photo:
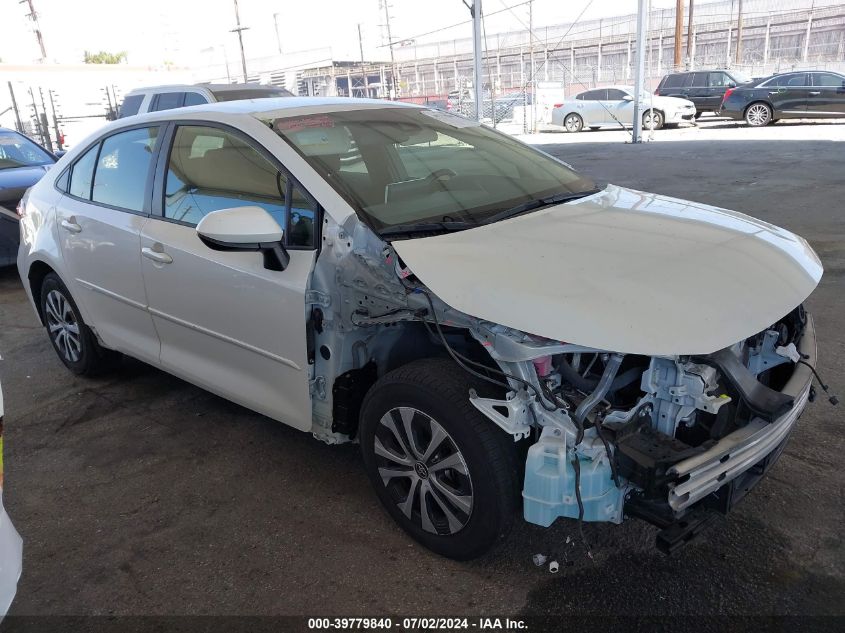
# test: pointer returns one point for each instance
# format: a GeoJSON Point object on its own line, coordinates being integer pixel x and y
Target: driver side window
{"type": "Point", "coordinates": [211, 169]}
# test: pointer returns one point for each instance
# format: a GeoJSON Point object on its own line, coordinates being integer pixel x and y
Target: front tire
{"type": "Point", "coordinates": [758, 114]}
{"type": "Point", "coordinates": [445, 473]}
{"type": "Point", "coordinates": [573, 122]}
{"type": "Point", "coordinates": [652, 120]}
{"type": "Point", "coordinates": [73, 340]}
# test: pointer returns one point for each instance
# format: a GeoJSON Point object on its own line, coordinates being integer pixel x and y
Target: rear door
{"type": "Point", "coordinates": [826, 97]}
{"type": "Point", "coordinates": [718, 83]}
{"type": "Point", "coordinates": [590, 107]}
{"type": "Point", "coordinates": [100, 219]}
{"type": "Point", "coordinates": [227, 323]}
{"type": "Point", "coordinates": [619, 110]}
{"type": "Point", "coordinates": [789, 93]}
{"type": "Point", "coordinates": [699, 91]}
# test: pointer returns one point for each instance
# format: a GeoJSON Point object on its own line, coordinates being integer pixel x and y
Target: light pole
{"type": "Point", "coordinates": [276, 25]}
{"type": "Point", "coordinates": [476, 58]}
{"type": "Point", "coordinates": [639, 71]}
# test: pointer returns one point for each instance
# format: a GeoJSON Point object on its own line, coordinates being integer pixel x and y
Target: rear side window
{"type": "Point", "coordinates": [167, 101]}
{"type": "Point", "coordinates": [83, 174]}
{"type": "Point", "coordinates": [594, 95]}
{"type": "Point", "coordinates": [120, 179]}
{"type": "Point", "coordinates": [614, 94]}
{"type": "Point", "coordinates": [130, 105]}
{"type": "Point", "coordinates": [700, 80]}
{"type": "Point", "coordinates": [675, 81]}
{"type": "Point", "coordinates": [194, 98]}
{"type": "Point", "coordinates": [211, 169]}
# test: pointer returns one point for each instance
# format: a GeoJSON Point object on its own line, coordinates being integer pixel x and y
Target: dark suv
{"type": "Point", "coordinates": [705, 88]}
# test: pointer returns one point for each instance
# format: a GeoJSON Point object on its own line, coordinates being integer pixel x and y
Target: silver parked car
{"type": "Point", "coordinates": [494, 329]}
{"type": "Point", "coordinates": [613, 106]}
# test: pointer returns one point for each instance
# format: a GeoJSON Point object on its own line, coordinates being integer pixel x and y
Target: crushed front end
{"type": "Point", "coordinates": [671, 440]}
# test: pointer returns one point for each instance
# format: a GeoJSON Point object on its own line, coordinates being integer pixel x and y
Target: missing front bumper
{"type": "Point", "coordinates": [737, 453]}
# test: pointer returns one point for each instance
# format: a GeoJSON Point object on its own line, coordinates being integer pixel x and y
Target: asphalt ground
{"type": "Point", "coordinates": [137, 493]}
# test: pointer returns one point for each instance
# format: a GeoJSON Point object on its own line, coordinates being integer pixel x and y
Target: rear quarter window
{"type": "Point", "coordinates": [130, 105]}
{"type": "Point", "coordinates": [674, 81]}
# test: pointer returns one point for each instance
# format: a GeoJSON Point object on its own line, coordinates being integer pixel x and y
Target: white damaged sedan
{"type": "Point", "coordinates": [11, 546]}
{"type": "Point", "coordinates": [499, 333]}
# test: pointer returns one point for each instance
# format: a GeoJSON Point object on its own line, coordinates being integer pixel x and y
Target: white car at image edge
{"type": "Point", "coordinates": [613, 106]}
{"type": "Point", "coordinates": [499, 333]}
{"type": "Point", "coordinates": [11, 545]}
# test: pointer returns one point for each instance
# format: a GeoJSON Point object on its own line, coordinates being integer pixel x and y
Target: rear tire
{"type": "Point", "coordinates": [445, 473]}
{"type": "Point", "coordinates": [73, 340]}
{"type": "Point", "coordinates": [573, 122]}
{"type": "Point", "coordinates": [758, 114]}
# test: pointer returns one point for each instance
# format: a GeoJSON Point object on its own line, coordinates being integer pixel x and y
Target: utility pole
{"type": "Point", "coordinates": [476, 58]}
{"type": "Point", "coordinates": [679, 31]}
{"type": "Point", "coordinates": [15, 106]}
{"type": "Point", "coordinates": [239, 30]}
{"type": "Point", "coordinates": [363, 69]}
{"type": "Point", "coordinates": [690, 33]}
{"type": "Point", "coordinates": [739, 33]}
{"type": "Point", "coordinates": [393, 89]}
{"type": "Point", "coordinates": [276, 26]}
{"type": "Point", "coordinates": [533, 108]}
{"type": "Point", "coordinates": [642, 19]}
{"type": "Point", "coordinates": [32, 15]}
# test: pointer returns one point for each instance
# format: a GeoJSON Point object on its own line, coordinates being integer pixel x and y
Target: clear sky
{"type": "Point", "coordinates": [156, 31]}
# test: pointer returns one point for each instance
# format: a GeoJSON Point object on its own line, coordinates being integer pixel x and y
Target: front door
{"type": "Point", "coordinates": [99, 224]}
{"type": "Point", "coordinates": [226, 323]}
{"type": "Point", "coordinates": [827, 95]}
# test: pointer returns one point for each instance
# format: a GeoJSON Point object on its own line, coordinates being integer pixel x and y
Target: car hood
{"type": "Point", "coordinates": [669, 102]}
{"type": "Point", "coordinates": [14, 182]}
{"type": "Point", "coordinates": [622, 270]}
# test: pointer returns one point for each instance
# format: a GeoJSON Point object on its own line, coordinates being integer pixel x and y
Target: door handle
{"type": "Point", "coordinates": [70, 224]}
{"type": "Point", "coordinates": [815, 93]}
{"type": "Point", "coordinates": [156, 256]}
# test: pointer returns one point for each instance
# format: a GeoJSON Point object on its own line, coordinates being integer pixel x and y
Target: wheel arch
{"type": "Point", "coordinates": [36, 274]}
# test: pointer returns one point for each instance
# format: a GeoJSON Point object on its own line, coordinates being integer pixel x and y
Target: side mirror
{"type": "Point", "coordinates": [245, 229]}
{"type": "Point", "coordinates": [627, 98]}
{"type": "Point", "coordinates": [59, 153]}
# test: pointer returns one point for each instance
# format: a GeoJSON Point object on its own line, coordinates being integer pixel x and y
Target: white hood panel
{"type": "Point", "coordinates": [622, 270]}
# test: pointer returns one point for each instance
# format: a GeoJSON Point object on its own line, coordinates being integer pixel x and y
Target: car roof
{"type": "Point", "coordinates": [613, 87]}
{"type": "Point", "coordinates": [277, 106]}
{"type": "Point", "coordinates": [207, 85]}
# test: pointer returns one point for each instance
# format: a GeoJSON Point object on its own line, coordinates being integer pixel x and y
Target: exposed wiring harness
{"type": "Point", "coordinates": [463, 361]}
{"type": "Point", "coordinates": [830, 397]}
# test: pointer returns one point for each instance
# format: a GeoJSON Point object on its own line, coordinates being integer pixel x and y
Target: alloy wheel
{"type": "Point", "coordinates": [423, 470]}
{"type": "Point", "coordinates": [573, 123]}
{"type": "Point", "coordinates": [63, 326]}
{"type": "Point", "coordinates": [758, 114]}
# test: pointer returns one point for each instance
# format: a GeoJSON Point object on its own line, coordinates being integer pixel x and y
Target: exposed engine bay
{"type": "Point", "coordinates": [664, 438]}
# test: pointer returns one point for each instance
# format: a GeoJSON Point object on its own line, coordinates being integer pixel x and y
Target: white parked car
{"type": "Point", "coordinates": [170, 97]}
{"type": "Point", "coordinates": [614, 106]}
{"type": "Point", "coordinates": [11, 546]}
{"type": "Point", "coordinates": [444, 295]}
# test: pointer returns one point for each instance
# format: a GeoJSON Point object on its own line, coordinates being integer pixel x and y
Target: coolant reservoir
{"type": "Point", "coordinates": [549, 489]}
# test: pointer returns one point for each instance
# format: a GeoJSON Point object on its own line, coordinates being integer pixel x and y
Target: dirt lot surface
{"type": "Point", "coordinates": [137, 493]}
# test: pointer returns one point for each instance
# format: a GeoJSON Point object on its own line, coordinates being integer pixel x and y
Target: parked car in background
{"type": "Point", "coordinates": [498, 332]}
{"type": "Point", "coordinates": [11, 546]}
{"type": "Point", "coordinates": [614, 106]}
{"type": "Point", "coordinates": [22, 163]}
{"type": "Point", "coordinates": [157, 98]}
{"type": "Point", "coordinates": [705, 88]}
{"type": "Point", "coordinates": [813, 94]}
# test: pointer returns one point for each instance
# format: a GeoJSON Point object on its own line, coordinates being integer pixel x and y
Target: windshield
{"type": "Point", "coordinates": [249, 93]}
{"type": "Point", "coordinates": [407, 166]}
{"type": "Point", "coordinates": [18, 151]}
